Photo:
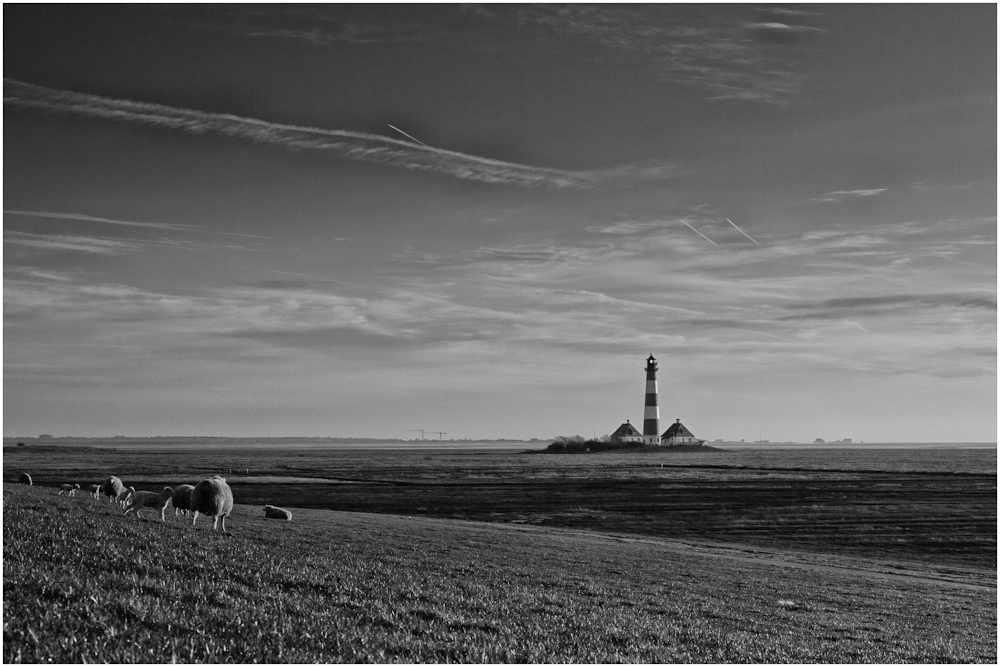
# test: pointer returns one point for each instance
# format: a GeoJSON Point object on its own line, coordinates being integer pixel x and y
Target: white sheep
{"type": "Point", "coordinates": [24, 478]}
{"type": "Point", "coordinates": [182, 498]}
{"type": "Point", "coordinates": [112, 488]}
{"type": "Point", "coordinates": [212, 497]}
{"type": "Point", "coordinates": [141, 499]}
{"type": "Point", "coordinates": [272, 512]}
{"type": "Point", "coordinates": [95, 491]}
{"type": "Point", "coordinates": [71, 488]}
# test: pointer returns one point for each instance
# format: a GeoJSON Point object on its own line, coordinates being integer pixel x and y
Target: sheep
{"type": "Point", "coordinates": [182, 498]}
{"type": "Point", "coordinates": [212, 497]}
{"type": "Point", "coordinates": [112, 488]}
{"type": "Point", "coordinates": [123, 497]}
{"type": "Point", "coordinates": [95, 491]}
{"type": "Point", "coordinates": [71, 488]}
{"type": "Point", "coordinates": [272, 512]}
{"type": "Point", "coordinates": [141, 499]}
{"type": "Point", "coordinates": [24, 478]}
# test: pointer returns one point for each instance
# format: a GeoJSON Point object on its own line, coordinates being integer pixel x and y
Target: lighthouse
{"type": "Point", "coordinates": [651, 413]}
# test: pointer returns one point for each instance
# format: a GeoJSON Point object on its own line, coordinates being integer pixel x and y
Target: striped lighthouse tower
{"type": "Point", "coordinates": [651, 413]}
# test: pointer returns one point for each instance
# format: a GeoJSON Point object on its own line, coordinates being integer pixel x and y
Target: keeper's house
{"type": "Point", "coordinates": [626, 433]}
{"type": "Point", "coordinates": [678, 434]}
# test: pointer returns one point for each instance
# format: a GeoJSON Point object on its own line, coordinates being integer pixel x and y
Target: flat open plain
{"type": "Point", "coordinates": [857, 555]}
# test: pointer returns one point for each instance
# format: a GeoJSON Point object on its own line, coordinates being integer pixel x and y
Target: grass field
{"type": "Point", "coordinates": [577, 559]}
{"type": "Point", "coordinates": [83, 583]}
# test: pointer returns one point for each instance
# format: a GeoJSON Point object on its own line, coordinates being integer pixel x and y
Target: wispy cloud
{"type": "Point", "coordinates": [841, 195]}
{"type": "Point", "coordinates": [85, 244]}
{"type": "Point", "coordinates": [342, 143]}
{"type": "Point", "coordinates": [318, 24]}
{"type": "Point", "coordinates": [879, 305]}
{"type": "Point", "coordinates": [89, 218]}
{"type": "Point", "coordinates": [714, 51]}
{"type": "Point", "coordinates": [96, 245]}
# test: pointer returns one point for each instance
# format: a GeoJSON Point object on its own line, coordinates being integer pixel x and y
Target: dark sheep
{"type": "Point", "coordinates": [112, 488]}
{"type": "Point", "coordinates": [182, 498]}
{"type": "Point", "coordinates": [24, 478]}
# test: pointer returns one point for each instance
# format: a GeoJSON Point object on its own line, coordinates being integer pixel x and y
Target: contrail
{"type": "Point", "coordinates": [699, 233]}
{"type": "Point", "coordinates": [342, 143]}
{"type": "Point", "coordinates": [743, 232]}
{"type": "Point", "coordinates": [407, 135]}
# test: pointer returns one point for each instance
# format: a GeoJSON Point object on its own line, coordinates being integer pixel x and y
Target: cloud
{"type": "Point", "coordinates": [105, 246]}
{"type": "Point", "coordinates": [708, 50]}
{"type": "Point", "coordinates": [317, 25]}
{"type": "Point", "coordinates": [89, 218]}
{"type": "Point", "coordinates": [844, 306]}
{"type": "Point", "coordinates": [838, 196]}
{"type": "Point", "coordinates": [342, 143]}
{"type": "Point", "coordinates": [85, 244]}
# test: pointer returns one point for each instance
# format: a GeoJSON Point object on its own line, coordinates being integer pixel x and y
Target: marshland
{"type": "Point", "coordinates": [506, 555]}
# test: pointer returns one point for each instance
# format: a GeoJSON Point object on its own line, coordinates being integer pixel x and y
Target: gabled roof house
{"type": "Point", "coordinates": [678, 434]}
{"type": "Point", "coordinates": [626, 433]}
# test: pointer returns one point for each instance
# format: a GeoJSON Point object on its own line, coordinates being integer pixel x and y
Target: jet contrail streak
{"type": "Point", "coordinates": [406, 135]}
{"type": "Point", "coordinates": [743, 232]}
{"type": "Point", "coordinates": [699, 233]}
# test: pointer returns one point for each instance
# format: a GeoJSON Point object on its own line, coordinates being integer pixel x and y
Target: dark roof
{"type": "Point", "coordinates": [677, 430]}
{"type": "Point", "coordinates": [624, 431]}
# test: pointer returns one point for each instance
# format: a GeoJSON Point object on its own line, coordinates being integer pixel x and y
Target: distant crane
{"type": "Point", "coordinates": [439, 433]}
{"type": "Point", "coordinates": [417, 429]}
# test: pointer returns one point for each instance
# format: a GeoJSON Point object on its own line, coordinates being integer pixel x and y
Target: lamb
{"type": "Point", "coordinates": [212, 497]}
{"type": "Point", "coordinates": [95, 491]}
{"type": "Point", "coordinates": [123, 497]}
{"type": "Point", "coordinates": [68, 487]}
{"type": "Point", "coordinates": [24, 478]}
{"type": "Point", "coordinates": [272, 512]}
{"type": "Point", "coordinates": [112, 488]}
{"type": "Point", "coordinates": [141, 499]}
{"type": "Point", "coordinates": [182, 498]}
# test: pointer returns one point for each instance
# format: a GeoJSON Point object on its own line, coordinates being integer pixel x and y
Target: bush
{"type": "Point", "coordinates": [575, 444]}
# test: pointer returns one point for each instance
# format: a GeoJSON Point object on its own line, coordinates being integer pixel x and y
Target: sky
{"type": "Point", "coordinates": [365, 220]}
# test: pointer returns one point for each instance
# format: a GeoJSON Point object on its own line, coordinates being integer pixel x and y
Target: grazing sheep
{"type": "Point", "coordinates": [141, 499]}
{"type": "Point", "coordinates": [212, 497]}
{"type": "Point", "coordinates": [95, 491]}
{"type": "Point", "coordinates": [272, 512]}
{"type": "Point", "coordinates": [182, 498]}
{"type": "Point", "coordinates": [24, 478]}
{"type": "Point", "coordinates": [71, 488]}
{"type": "Point", "coordinates": [112, 488]}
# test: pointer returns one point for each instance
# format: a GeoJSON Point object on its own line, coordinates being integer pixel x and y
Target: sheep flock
{"type": "Point", "coordinates": [211, 497]}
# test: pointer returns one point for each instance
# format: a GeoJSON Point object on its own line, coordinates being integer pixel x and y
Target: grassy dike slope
{"type": "Point", "coordinates": [82, 583]}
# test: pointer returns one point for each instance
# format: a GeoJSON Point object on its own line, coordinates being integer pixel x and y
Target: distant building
{"type": "Point", "coordinates": [678, 434]}
{"type": "Point", "coordinates": [626, 433]}
{"type": "Point", "coordinates": [819, 441]}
